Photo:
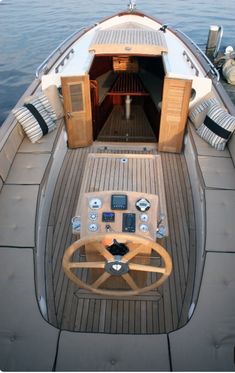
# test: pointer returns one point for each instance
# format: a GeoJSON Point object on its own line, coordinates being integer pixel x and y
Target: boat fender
{"type": "Point", "coordinates": [229, 71]}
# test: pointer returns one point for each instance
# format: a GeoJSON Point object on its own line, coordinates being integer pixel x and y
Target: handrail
{"type": "Point", "coordinates": [42, 68]}
{"type": "Point", "coordinates": [66, 57]}
{"type": "Point", "coordinates": [212, 67]}
{"type": "Point", "coordinates": [193, 66]}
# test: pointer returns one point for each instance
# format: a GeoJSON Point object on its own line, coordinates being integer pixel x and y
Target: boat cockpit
{"type": "Point", "coordinates": [126, 101]}
{"type": "Point", "coordinates": [121, 196]}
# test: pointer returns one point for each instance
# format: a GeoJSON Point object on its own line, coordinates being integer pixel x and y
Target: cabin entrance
{"type": "Point", "coordinates": [126, 99]}
{"type": "Point", "coordinates": [125, 96]}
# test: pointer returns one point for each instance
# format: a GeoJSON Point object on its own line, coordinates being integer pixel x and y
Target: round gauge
{"type": "Point", "coordinates": [93, 227]}
{"type": "Point", "coordinates": [144, 228]}
{"type": "Point", "coordinates": [144, 217]}
{"type": "Point", "coordinates": [76, 223]}
{"type": "Point", "coordinates": [142, 204]}
{"type": "Point", "coordinates": [95, 203]}
{"type": "Point", "coordinates": [92, 216]}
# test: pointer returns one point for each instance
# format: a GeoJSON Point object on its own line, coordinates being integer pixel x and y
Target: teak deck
{"type": "Point", "coordinates": [160, 311]}
{"type": "Point", "coordinates": [118, 128]}
{"type": "Point", "coordinates": [131, 172]}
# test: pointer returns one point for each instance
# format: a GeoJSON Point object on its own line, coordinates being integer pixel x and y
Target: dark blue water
{"type": "Point", "coordinates": [31, 29]}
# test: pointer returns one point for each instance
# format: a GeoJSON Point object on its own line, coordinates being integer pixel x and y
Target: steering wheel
{"type": "Point", "coordinates": [117, 265]}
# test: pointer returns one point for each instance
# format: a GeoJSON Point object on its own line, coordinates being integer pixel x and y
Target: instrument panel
{"type": "Point", "coordinates": [128, 212]}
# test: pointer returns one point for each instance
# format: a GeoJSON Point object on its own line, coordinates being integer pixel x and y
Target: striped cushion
{"type": "Point", "coordinates": [217, 127]}
{"type": "Point", "coordinates": [199, 112]}
{"type": "Point", "coordinates": [36, 123]}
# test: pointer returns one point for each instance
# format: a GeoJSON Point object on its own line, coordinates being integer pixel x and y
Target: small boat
{"type": "Point", "coordinates": [117, 207]}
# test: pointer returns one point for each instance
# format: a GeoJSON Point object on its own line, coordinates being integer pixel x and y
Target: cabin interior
{"type": "Point", "coordinates": [113, 78]}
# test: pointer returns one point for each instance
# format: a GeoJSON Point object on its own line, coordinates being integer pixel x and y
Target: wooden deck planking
{"type": "Point", "coordinates": [49, 289]}
{"type": "Point", "coordinates": [61, 226]}
{"type": "Point", "coordinates": [170, 243]}
{"type": "Point", "coordinates": [116, 316]}
{"type": "Point", "coordinates": [131, 176]}
{"type": "Point", "coordinates": [117, 128]}
{"type": "Point", "coordinates": [179, 216]}
{"type": "Point", "coordinates": [64, 202]}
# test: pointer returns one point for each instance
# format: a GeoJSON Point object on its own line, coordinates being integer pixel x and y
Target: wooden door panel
{"type": "Point", "coordinates": [175, 104]}
{"type": "Point", "coordinates": [77, 106]}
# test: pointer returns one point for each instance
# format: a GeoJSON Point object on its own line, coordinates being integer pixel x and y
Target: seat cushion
{"type": "Point", "coordinates": [28, 169]}
{"type": "Point", "coordinates": [199, 111]}
{"type": "Point", "coordinates": [220, 218]}
{"type": "Point", "coordinates": [203, 148]}
{"type": "Point", "coordinates": [27, 341]}
{"type": "Point", "coordinates": [45, 144]}
{"type": "Point", "coordinates": [37, 118]}
{"type": "Point", "coordinates": [217, 172]}
{"type": "Point", "coordinates": [52, 94]}
{"type": "Point", "coordinates": [18, 204]}
{"type": "Point", "coordinates": [206, 343]}
{"type": "Point", "coordinates": [217, 127]}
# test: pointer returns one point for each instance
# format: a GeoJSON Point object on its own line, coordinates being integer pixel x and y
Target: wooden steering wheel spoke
{"type": "Point", "coordinates": [103, 251]}
{"type": "Point", "coordinates": [86, 265]}
{"type": "Point", "coordinates": [117, 265]}
{"type": "Point", "coordinates": [146, 268]}
{"type": "Point", "coordinates": [131, 254]}
{"type": "Point", "coordinates": [101, 280]}
{"type": "Point", "coordinates": [130, 281]}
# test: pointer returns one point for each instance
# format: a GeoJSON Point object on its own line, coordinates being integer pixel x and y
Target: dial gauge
{"type": "Point", "coordinates": [95, 203]}
{"type": "Point", "coordinates": [144, 228]}
{"type": "Point", "coordinates": [144, 217]}
{"type": "Point", "coordinates": [93, 227]}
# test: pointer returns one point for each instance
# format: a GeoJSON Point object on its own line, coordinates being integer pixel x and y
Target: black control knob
{"type": "Point", "coordinates": [118, 248]}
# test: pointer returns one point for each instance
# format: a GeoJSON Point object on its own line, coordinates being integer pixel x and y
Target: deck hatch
{"type": "Point", "coordinates": [131, 41]}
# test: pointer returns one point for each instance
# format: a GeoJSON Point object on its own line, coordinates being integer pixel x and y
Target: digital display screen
{"type": "Point", "coordinates": [108, 217]}
{"type": "Point", "coordinates": [119, 202]}
{"type": "Point", "coordinates": [128, 222]}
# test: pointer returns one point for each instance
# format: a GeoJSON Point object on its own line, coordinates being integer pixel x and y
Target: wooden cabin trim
{"type": "Point", "coordinates": [175, 105]}
{"type": "Point", "coordinates": [78, 119]}
{"type": "Point", "coordinates": [133, 50]}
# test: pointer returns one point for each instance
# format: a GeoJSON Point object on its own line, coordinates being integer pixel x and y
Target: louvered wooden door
{"type": "Point", "coordinates": [175, 105]}
{"type": "Point", "coordinates": [77, 106]}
